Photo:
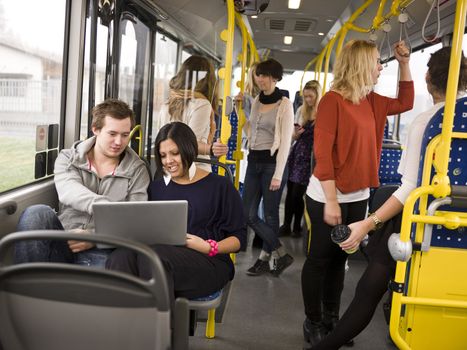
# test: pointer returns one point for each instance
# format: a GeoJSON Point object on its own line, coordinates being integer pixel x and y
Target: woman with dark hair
{"type": "Point", "coordinates": [374, 281]}
{"type": "Point", "coordinates": [216, 225]}
{"type": "Point", "coordinates": [269, 131]}
{"type": "Point", "coordinates": [193, 101]}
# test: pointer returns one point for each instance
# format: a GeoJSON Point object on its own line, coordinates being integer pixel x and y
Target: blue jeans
{"type": "Point", "coordinates": [42, 217]}
{"type": "Point", "coordinates": [257, 181]}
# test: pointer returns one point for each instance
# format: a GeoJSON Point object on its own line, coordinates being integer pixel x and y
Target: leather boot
{"type": "Point", "coordinates": [313, 332]}
{"type": "Point", "coordinates": [331, 319]}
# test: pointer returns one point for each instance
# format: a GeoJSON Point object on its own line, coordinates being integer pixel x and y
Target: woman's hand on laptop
{"type": "Point", "coordinates": [197, 243]}
{"type": "Point", "coordinates": [79, 246]}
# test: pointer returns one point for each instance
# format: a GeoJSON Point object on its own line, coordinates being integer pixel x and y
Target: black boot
{"type": "Point", "coordinates": [331, 319]}
{"type": "Point", "coordinates": [313, 332]}
{"type": "Point", "coordinates": [284, 230]}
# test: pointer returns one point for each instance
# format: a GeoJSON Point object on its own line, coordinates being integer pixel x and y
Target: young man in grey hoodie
{"type": "Point", "coordinates": [102, 168]}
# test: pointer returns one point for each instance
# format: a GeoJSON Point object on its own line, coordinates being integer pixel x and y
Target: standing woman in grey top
{"type": "Point", "coordinates": [269, 131]}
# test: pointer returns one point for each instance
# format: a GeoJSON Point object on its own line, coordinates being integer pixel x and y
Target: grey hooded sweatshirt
{"type": "Point", "coordinates": [79, 188]}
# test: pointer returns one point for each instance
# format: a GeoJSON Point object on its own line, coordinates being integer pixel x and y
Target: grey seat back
{"type": "Point", "coordinates": [65, 306]}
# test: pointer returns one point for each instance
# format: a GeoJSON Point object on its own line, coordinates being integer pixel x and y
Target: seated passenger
{"type": "Point", "coordinates": [193, 100]}
{"type": "Point", "coordinates": [100, 169]}
{"type": "Point", "coordinates": [216, 226]}
{"type": "Point", "coordinates": [381, 268]}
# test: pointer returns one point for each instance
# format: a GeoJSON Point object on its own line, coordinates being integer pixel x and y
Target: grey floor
{"type": "Point", "coordinates": [266, 312]}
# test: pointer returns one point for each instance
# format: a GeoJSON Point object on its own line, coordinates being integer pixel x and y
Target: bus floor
{"type": "Point", "coordinates": [266, 312]}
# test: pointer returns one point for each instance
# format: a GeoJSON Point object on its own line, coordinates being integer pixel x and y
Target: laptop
{"type": "Point", "coordinates": [155, 222]}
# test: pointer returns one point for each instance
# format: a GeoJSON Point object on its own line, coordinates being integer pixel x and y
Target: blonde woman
{"type": "Point", "coordinates": [193, 100]}
{"type": "Point", "coordinates": [347, 146]}
{"type": "Point", "coordinates": [299, 162]}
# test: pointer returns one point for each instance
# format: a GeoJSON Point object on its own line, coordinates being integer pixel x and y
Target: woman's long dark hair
{"type": "Point", "coordinates": [184, 138]}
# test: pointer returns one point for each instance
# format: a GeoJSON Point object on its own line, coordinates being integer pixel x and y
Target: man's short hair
{"type": "Point", "coordinates": [113, 108]}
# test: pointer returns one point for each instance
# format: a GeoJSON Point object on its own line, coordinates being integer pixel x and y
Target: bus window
{"type": "Point", "coordinates": [134, 66]}
{"type": "Point", "coordinates": [185, 55]}
{"type": "Point", "coordinates": [30, 83]}
{"type": "Point", "coordinates": [127, 63]}
{"type": "Point", "coordinates": [99, 79]}
{"type": "Point", "coordinates": [423, 101]}
{"type": "Point", "coordinates": [387, 86]}
{"type": "Point", "coordinates": [166, 58]}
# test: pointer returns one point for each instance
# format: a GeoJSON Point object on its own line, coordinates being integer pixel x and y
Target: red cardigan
{"type": "Point", "coordinates": [348, 138]}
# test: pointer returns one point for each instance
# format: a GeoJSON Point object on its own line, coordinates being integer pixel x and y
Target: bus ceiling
{"type": "Point", "coordinates": [311, 26]}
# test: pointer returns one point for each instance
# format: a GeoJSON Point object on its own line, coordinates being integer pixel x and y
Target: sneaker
{"type": "Point", "coordinates": [281, 264]}
{"type": "Point", "coordinates": [258, 268]}
{"type": "Point", "coordinates": [284, 230]}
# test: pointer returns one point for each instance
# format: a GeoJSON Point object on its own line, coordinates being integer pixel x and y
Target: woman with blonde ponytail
{"type": "Point", "coordinates": [193, 100]}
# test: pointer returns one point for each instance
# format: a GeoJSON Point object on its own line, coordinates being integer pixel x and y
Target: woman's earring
{"type": "Point", "coordinates": [166, 177]}
{"type": "Point", "coordinates": [192, 171]}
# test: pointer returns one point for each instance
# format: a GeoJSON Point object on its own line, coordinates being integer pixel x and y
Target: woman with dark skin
{"type": "Point", "coordinates": [216, 225]}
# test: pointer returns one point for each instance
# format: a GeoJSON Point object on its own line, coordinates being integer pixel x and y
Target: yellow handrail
{"type": "Point", "coordinates": [139, 138]}
{"type": "Point", "coordinates": [440, 183]}
{"type": "Point", "coordinates": [238, 153]}
{"type": "Point", "coordinates": [225, 73]}
{"type": "Point", "coordinates": [378, 20]}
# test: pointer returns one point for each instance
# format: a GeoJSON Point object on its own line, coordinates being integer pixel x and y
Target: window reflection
{"type": "Point", "coordinates": [165, 61]}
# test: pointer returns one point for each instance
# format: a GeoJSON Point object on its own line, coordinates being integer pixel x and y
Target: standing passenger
{"type": "Point", "coordinates": [216, 225]}
{"type": "Point", "coordinates": [250, 93]}
{"type": "Point", "coordinates": [193, 100]}
{"type": "Point", "coordinates": [347, 147]}
{"type": "Point", "coordinates": [100, 169]}
{"type": "Point", "coordinates": [269, 132]}
{"type": "Point", "coordinates": [381, 267]}
{"type": "Point", "coordinates": [299, 162]}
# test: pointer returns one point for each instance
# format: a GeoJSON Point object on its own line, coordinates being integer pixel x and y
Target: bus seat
{"type": "Point", "coordinates": [457, 171]}
{"type": "Point", "coordinates": [437, 274]}
{"type": "Point", "coordinates": [59, 306]}
{"type": "Point", "coordinates": [389, 163]}
{"type": "Point", "coordinates": [209, 303]}
{"type": "Point", "coordinates": [285, 93]}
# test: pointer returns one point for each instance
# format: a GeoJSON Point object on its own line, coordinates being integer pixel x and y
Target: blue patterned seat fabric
{"type": "Point", "coordinates": [457, 172]}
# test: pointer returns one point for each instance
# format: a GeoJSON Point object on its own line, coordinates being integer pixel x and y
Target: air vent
{"type": "Point", "coordinates": [276, 24]}
{"type": "Point", "coordinates": [302, 25]}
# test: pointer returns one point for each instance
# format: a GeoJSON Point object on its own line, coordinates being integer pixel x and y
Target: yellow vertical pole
{"type": "Point", "coordinates": [225, 73]}
{"type": "Point", "coordinates": [238, 153]}
{"type": "Point", "coordinates": [441, 179]}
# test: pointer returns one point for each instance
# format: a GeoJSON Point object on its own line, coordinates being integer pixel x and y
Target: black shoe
{"type": "Point", "coordinates": [281, 264]}
{"type": "Point", "coordinates": [331, 324]}
{"type": "Point", "coordinates": [258, 268]}
{"type": "Point", "coordinates": [284, 230]}
{"type": "Point", "coordinates": [296, 233]}
{"type": "Point", "coordinates": [313, 332]}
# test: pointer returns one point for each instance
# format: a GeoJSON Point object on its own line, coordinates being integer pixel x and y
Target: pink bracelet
{"type": "Point", "coordinates": [214, 247]}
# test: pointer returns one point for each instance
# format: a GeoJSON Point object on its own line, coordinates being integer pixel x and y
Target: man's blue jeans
{"type": "Point", "coordinates": [42, 217]}
{"type": "Point", "coordinates": [257, 181]}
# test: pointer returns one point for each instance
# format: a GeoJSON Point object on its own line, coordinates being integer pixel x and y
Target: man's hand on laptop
{"type": "Point", "coordinates": [79, 246]}
{"type": "Point", "coordinates": [197, 243]}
